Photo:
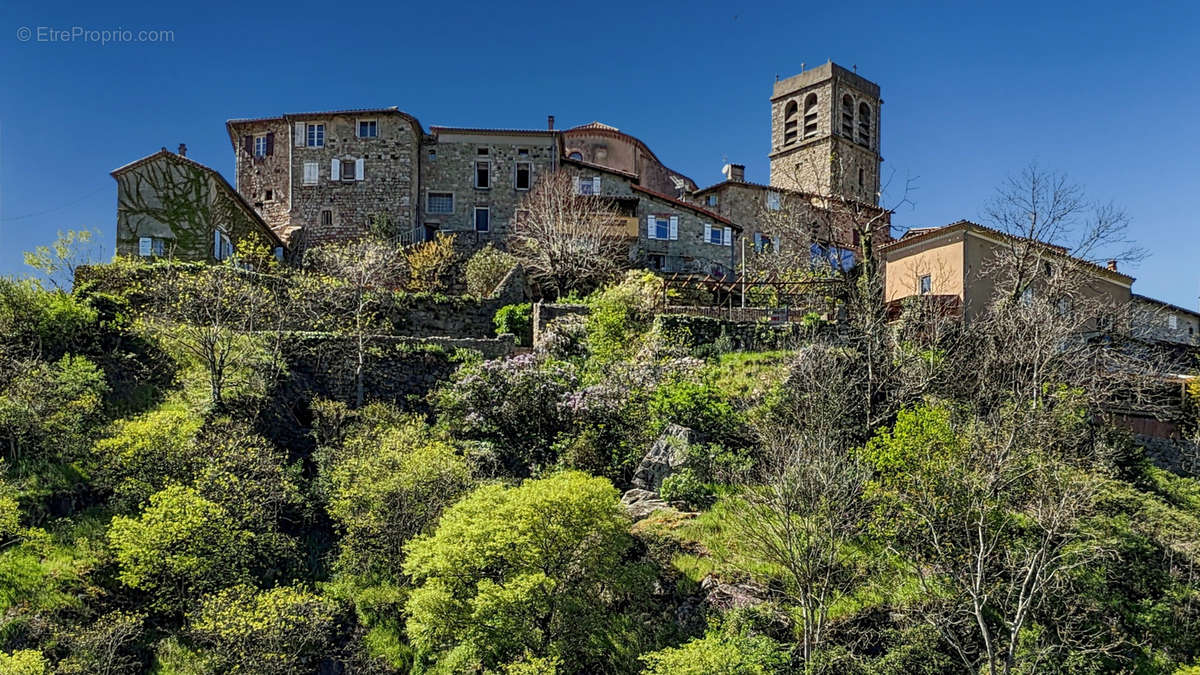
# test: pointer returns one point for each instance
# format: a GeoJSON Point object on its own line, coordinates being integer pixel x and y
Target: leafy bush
{"type": "Point", "coordinates": [41, 323]}
{"type": "Point", "coordinates": [517, 320]}
{"type": "Point", "coordinates": [720, 654]}
{"type": "Point", "coordinates": [530, 570]}
{"type": "Point", "coordinates": [620, 315]}
{"type": "Point", "coordinates": [140, 456]}
{"type": "Point", "coordinates": [685, 486]}
{"type": "Point", "coordinates": [48, 411]}
{"type": "Point", "coordinates": [564, 337]}
{"type": "Point", "coordinates": [24, 662]}
{"type": "Point", "coordinates": [691, 400]}
{"type": "Point", "coordinates": [430, 262]}
{"type": "Point", "coordinates": [277, 631]}
{"type": "Point", "coordinates": [486, 269]}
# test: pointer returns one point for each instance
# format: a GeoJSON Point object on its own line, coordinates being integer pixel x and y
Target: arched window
{"type": "Point", "coordinates": [577, 156]}
{"type": "Point", "coordinates": [789, 123]}
{"type": "Point", "coordinates": [810, 116]}
{"type": "Point", "coordinates": [864, 124]}
{"type": "Point", "coordinates": [848, 116]}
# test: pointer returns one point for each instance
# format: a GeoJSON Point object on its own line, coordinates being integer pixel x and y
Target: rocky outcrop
{"type": "Point", "coordinates": [641, 503]}
{"type": "Point", "coordinates": [666, 456]}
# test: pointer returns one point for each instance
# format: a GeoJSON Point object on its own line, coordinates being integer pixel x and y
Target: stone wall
{"type": "Point", "coordinates": [1151, 320]}
{"type": "Point", "coordinates": [690, 252]}
{"type": "Point", "coordinates": [448, 165]}
{"type": "Point", "coordinates": [696, 331]}
{"type": "Point", "coordinates": [264, 182]}
{"type": "Point", "coordinates": [544, 313]}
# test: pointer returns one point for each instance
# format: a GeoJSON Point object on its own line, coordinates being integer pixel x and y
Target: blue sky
{"type": "Point", "coordinates": [1106, 92]}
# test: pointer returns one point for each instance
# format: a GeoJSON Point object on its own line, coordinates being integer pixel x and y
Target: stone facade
{"type": "Point", "coordinates": [291, 177]}
{"type": "Point", "coordinates": [825, 134]}
{"type": "Point", "coordinates": [450, 159]}
{"type": "Point", "coordinates": [607, 146]}
{"type": "Point", "coordinates": [172, 207]}
{"type": "Point", "coordinates": [1156, 320]}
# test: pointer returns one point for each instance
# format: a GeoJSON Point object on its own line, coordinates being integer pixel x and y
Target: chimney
{"type": "Point", "coordinates": [1112, 265]}
{"type": "Point", "coordinates": [550, 122]}
{"type": "Point", "coordinates": [183, 149]}
{"type": "Point", "coordinates": [737, 173]}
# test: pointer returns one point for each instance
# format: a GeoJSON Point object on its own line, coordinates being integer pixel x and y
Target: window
{"type": "Point", "coordinates": [270, 196]}
{"type": "Point", "coordinates": [482, 152]}
{"type": "Point", "coordinates": [790, 123]}
{"type": "Point", "coordinates": [524, 175]}
{"type": "Point", "coordinates": [662, 227]}
{"type": "Point", "coordinates": [260, 146]}
{"type": "Point", "coordinates": [656, 261]}
{"type": "Point", "coordinates": [1048, 269]}
{"type": "Point", "coordinates": [587, 186]}
{"type": "Point", "coordinates": [864, 124]}
{"type": "Point", "coordinates": [348, 169]}
{"type": "Point", "coordinates": [577, 156]}
{"type": "Point", "coordinates": [368, 129]}
{"type": "Point", "coordinates": [848, 116]}
{"type": "Point", "coordinates": [316, 136]}
{"type": "Point", "coordinates": [1172, 322]}
{"type": "Point", "coordinates": [432, 153]}
{"type": "Point", "coordinates": [482, 219]}
{"type": "Point", "coordinates": [1064, 306]}
{"type": "Point", "coordinates": [861, 177]}
{"type": "Point", "coordinates": [926, 284]}
{"type": "Point", "coordinates": [773, 201]}
{"type": "Point", "coordinates": [222, 246]}
{"type": "Point", "coordinates": [523, 153]}
{"type": "Point", "coordinates": [483, 170]}
{"type": "Point", "coordinates": [439, 202]}
{"type": "Point", "coordinates": [810, 116]}
{"type": "Point", "coordinates": [310, 173]}
{"type": "Point", "coordinates": [711, 200]}
{"type": "Point", "coordinates": [151, 246]}
{"type": "Point", "coordinates": [721, 236]}
{"type": "Point", "coordinates": [327, 217]}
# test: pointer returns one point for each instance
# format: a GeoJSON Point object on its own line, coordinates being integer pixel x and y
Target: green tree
{"type": "Point", "coordinates": [24, 662]}
{"type": "Point", "coordinates": [59, 260]}
{"type": "Point", "coordinates": [49, 411]}
{"type": "Point", "coordinates": [277, 631]}
{"type": "Point", "coordinates": [719, 654]}
{"type": "Point", "coordinates": [509, 571]}
{"type": "Point", "coordinates": [181, 547]}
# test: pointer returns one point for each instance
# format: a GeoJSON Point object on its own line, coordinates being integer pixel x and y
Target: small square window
{"type": "Point", "coordinates": [711, 200]}
{"type": "Point", "coordinates": [432, 153]}
{"type": "Point", "coordinates": [662, 227]}
{"type": "Point", "coordinates": [482, 219]}
{"type": "Point", "coordinates": [348, 170]}
{"type": "Point", "coordinates": [368, 129]}
{"type": "Point", "coordinates": [926, 284]}
{"type": "Point", "coordinates": [316, 135]}
{"type": "Point", "coordinates": [482, 152]}
{"type": "Point", "coordinates": [716, 235]}
{"type": "Point", "coordinates": [270, 196]}
{"type": "Point", "coordinates": [439, 202]}
{"type": "Point", "coordinates": [522, 152]}
{"type": "Point", "coordinates": [483, 178]}
{"type": "Point", "coordinates": [327, 217]}
{"type": "Point", "coordinates": [524, 175]}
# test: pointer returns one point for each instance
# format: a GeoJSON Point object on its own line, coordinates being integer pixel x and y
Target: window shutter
{"type": "Point", "coordinates": [728, 237]}
{"type": "Point", "coordinates": [335, 169]}
{"type": "Point", "coordinates": [650, 226]}
{"type": "Point", "coordinates": [575, 181]}
{"type": "Point", "coordinates": [248, 145]}
{"type": "Point", "coordinates": [775, 241]}
{"type": "Point", "coordinates": [358, 168]}
{"type": "Point", "coordinates": [270, 143]}
{"type": "Point", "coordinates": [707, 233]}
{"type": "Point", "coordinates": [217, 244]}
{"type": "Point", "coordinates": [674, 228]}
{"type": "Point", "coordinates": [301, 134]}
{"type": "Point", "coordinates": [758, 241]}
{"type": "Point", "coordinates": [145, 246]}
{"type": "Point", "coordinates": [596, 185]}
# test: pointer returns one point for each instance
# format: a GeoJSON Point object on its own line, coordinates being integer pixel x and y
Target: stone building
{"type": "Point", "coordinates": [607, 146]}
{"type": "Point", "coordinates": [331, 176]}
{"type": "Point", "coordinates": [473, 179]}
{"type": "Point", "coordinates": [825, 134]}
{"type": "Point", "coordinates": [1163, 322]}
{"type": "Point", "coordinates": [171, 206]}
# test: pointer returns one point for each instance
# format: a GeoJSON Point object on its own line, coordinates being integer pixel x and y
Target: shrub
{"type": "Point", "coordinates": [140, 456]}
{"type": "Point", "coordinates": [564, 337]}
{"type": "Point", "coordinates": [24, 662]}
{"type": "Point", "coordinates": [517, 320]}
{"type": "Point", "coordinates": [518, 573]}
{"type": "Point", "coordinates": [720, 654]}
{"type": "Point", "coordinates": [429, 263]}
{"type": "Point", "coordinates": [685, 486]}
{"type": "Point", "coordinates": [620, 315]}
{"type": "Point", "coordinates": [48, 411]}
{"type": "Point", "coordinates": [692, 401]}
{"type": "Point", "coordinates": [486, 269]}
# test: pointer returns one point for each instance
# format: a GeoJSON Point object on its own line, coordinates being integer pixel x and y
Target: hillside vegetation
{"type": "Point", "coordinates": [876, 498]}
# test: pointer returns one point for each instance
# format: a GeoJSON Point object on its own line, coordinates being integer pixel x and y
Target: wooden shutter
{"type": "Point", "coordinates": [216, 244]}
{"type": "Point", "coordinates": [650, 226]}
{"type": "Point", "coordinates": [596, 185]}
{"type": "Point", "coordinates": [301, 134]}
{"type": "Point", "coordinates": [358, 168]}
{"type": "Point", "coordinates": [775, 241]}
{"type": "Point", "coordinates": [270, 143]}
{"type": "Point", "coordinates": [575, 182]}
{"type": "Point", "coordinates": [708, 233]}
{"type": "Point", "coordinates": [335, 169]}
{"type": "Point", "coordinates": [727, 239]}
{"type": "Point", "coordinates": [248, 145]}
{"type": "Point", "coordinates": [674, 231]}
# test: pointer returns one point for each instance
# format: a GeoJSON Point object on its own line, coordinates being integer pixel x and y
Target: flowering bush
{"type": "Point", "coordinates": [564, 337]}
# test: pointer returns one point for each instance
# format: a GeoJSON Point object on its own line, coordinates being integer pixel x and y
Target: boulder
{"type": "Point", "coordinates": [666, 455]}
{"type": "Point", "coordinates": [641, 503]}
{"type": "Point", "coordinates": [724, 597]}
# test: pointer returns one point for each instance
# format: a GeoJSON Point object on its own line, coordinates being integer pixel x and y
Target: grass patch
{"type": "Point", "coordinates": [750, 374]}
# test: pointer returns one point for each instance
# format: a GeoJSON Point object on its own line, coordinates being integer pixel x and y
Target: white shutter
{"type": "Point", "coordinates": [335, 169]}
{"type": "Point", "coordinates": [707, 232]}
{"type": "Point", "coordinates": [728, 237]}
{"type": "Point", "coordinates": [310, 173]}
{"type": "Point", "coordinates": [575, 181]}
{"type": "Point", "coordinates": [145, 246]}
{"type": "Point", "coordinates": [650, 227]}
{"type": "Point", "coordinates": [358, 168]}
{"type": "Point", "coordinates": [775, 241]}
{"type": "Point", "coordinates": [596, 185]}
{"type": "Point", "coordinates": [301, 135]}
{"type": "Point", "coordinates": [674, 228]}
